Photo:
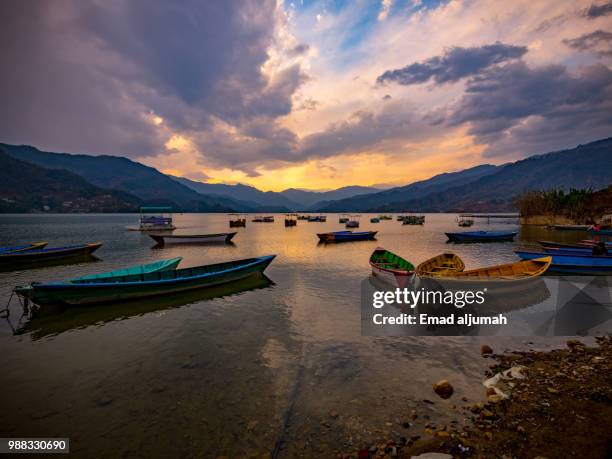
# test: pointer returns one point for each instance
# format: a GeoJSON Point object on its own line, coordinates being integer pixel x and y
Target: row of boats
{"type": "Point", "coordinates": [587, 257]}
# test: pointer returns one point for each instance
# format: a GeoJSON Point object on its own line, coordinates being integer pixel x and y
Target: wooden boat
{"type": "Point", "coordinates": [374, 220]}
{"type": "Point", "coordinates": [385, 217]}
{"type": "Point", "coordinates": [441, 265]}
{"type": "Point", "coordinates": [464, 221]}
{"type": "Point", "coordinates": [507, 272]}
{"type": "Point", "coordinates": [154, 219]}
{"type": "Point", "coordinates": [571, 227]}
{"type": "Point", "coordinates": [482, 236]}
{"type": "Point", "coordinates": [413, 220]}
{"type": "Point", "coordinates": [290, 220]}
{"type": "Point", "coordinates": [601, 232]}
{"type": "Point", "coordinates": [346, 236]}
{"type": "Point", "coordinates": [156, 266]}
{"type": "Point", "coordinates": [585, 244]}
{"type": "Point", "coordinates": [23, 248]}
{"type": "Point", "coordinates": [237, 221]}
{"type": "Point", "coordinates": [573, 263]}
{"type": "Point", "coordinates": [51, 254]}
{"type": "Point", "coordinates": [163, 239]}
{"type": "Point", "coordinates": [343, 220]}
{"type": "Point", "coordinates": [303, 217]}
{"type": "Point", "coordinates": [352, 224]}
{"type": "Point", "coordinates": [144, 285]}
{"type": "Point", "coordinates": [317, 218]}
{"type": "Point", "coordinates": [586, 251]}
{"type": "Point", "coordinates": [267, 219]}
{"type": "Point", "coordinates": [391, 268]}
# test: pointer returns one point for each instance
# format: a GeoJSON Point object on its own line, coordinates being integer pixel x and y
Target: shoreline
{"type": "Point", "coordinates": [555, 403]}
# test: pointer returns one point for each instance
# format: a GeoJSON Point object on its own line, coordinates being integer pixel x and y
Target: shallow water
{"type": "Point", "coordinates": [274, 365]}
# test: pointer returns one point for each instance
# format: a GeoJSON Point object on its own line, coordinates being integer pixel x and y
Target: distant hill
{"type": "Point", "coordinates": [586, 166]}
{"type": "Point", "coordinates": [289, 199]}
{"type": "Point", "coordinates": [441, 182]}
{"type": "Point", "coordinates": [25, 187]}
{"type": "Point", "coordinates": [114, 172]}
{"type": "Point", "coordinates": [310, 200]}
{"type": "Point", "coordinates": [249, 195]}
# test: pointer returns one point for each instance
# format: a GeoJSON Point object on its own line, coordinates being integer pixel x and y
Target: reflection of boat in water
{"type": "Point", "coordinates": [59, 319]}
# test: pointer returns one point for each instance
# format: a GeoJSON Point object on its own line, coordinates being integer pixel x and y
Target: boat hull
{"type": "Point", "coordinates": [156, 266]}
{"type": "Point", "coordinates": [391, 268]}
{"type": "Point", "coordinates": [23, 248]}
{"type": "Point", "coordinates": [52, 254]}
{"type": "Point", "coordinates": [603, 232]}
{"type": "Point", "coordinates": [576, 245]}
{"type": "Point", "coordinates": [482, 236]}
{"type": "Point", "coordinates": [346, 236]}
{"type": "Point", "coordinates": [97, 293]}
{"type": "Point", "coordinates": [573, 263]}
{"type": "Point", "coordinates": [193, 239]}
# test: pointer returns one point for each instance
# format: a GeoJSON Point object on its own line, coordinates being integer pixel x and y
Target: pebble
{"type": "Point", "coordinates": [485, 349]}
{"type": "Point", "coordinates": [443, 388]}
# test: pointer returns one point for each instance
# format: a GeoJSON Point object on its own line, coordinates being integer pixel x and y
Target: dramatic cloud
{"type": "Point", "coordinates": [456, 63]}
{"type": "Point", "coordinates": [596, 11]}
{"type": "Point", "coordinates": [385, 7]}
{"type": "Point", "coordinates": [120, 77]}
{"type": "Point", "coordinates": [600, 41]}
{"type": "Point", "coordinates": [516, 106]}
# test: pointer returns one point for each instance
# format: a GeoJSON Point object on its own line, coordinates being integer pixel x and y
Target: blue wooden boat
{"type": "Point", "coordinates": [601, 232]}
{"type": "Point", "coordinates": [585, 244]}
{"type": "Point", "coordinates": [481, 236]}
{"type": "Point", "coordinates": [346, 236]}
{"type": "Point", "coordinates": [134, 286]}
{"type": "Point", "coordinates": [23, 248]}
{"type": "Point", "coordinates": [585, 251]}
{"type": "Point", "coordinates": [50, 254]}
{"type": "Point", "coordinates": [573, 263]}
{"type": "Point", "coordinates": [156, 266]}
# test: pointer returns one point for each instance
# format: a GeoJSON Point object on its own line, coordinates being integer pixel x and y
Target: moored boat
{"type": "Point", "coordinates": [346, 236]}
{"type": "Point", "coordinates": [601, 232]}
{"type": "Point", "coordinates": [343, 219]}
{"type": "Point", "coordinates": [464, 221]}
{"type": "Point", "coordinates": [374, 220]}
{"type": "Point", "coordinates": [385, 217]}
{"type": "Point", "coordinates": [570, 227]}
{"type": "Point", "coordinates": [160, 265]}
{"type": "Point", "coordinates": [585, 244]}
{"type": "Point", "coordinates": [391, 268]}
{"type": "Point", "coordinates": [237, 221]}
{"type": "Point", "coordinates": [573, 263]}
{"type": "Point", "coordinates": [155, 219]}
{"type": "Point", "coordinates": [481, 236]}
{"type": "Point", "coordinates": [290, 220]}
{"type": "Point", "coordinates": [143, 285]}
{"type": "Point", "coordinates": [505, 272]}
{"type": "Point", "coordinates": [441, 265]}
{"type": "Point", "coordinates": [23, 248]}
{"type": "Point", "coordinates": [48, 254]}
{"type": "Point", "coordinates": [586, 251]}
{"type": "Point", "coordinates": [413, 220]}
{"type": "Point", "coordinates": [163, 239]}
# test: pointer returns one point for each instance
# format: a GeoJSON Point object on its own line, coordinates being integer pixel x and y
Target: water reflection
{"type": "Point", "coordinates": [53, 320]}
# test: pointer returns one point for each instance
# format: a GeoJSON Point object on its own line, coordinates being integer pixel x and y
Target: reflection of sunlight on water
{"type": "Point", "coordinates": [223, 375]}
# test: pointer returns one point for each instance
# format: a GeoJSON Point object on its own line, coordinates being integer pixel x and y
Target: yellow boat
{"type": "Point", "coordinates": [446, 263]}
{"type": "Point", "coordinates": [449, 266]}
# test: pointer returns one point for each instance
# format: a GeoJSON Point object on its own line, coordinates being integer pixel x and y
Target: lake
{"type": "Point", "coordinates": [272, 366]}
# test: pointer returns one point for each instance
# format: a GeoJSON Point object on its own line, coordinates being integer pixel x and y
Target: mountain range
{"type": "Point", "coordinates": [127, 184]}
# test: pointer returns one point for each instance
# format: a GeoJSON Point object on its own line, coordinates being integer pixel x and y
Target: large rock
{"type": "Point", "coordinates": [443, 388]}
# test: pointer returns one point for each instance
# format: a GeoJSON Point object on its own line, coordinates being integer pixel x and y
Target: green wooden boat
{"type": "Point", "coordinates": [391, 268]}
{"type": "Point", "coordinates": [133, 286]}
{"type": "Point", "coordinates": [160, 265]}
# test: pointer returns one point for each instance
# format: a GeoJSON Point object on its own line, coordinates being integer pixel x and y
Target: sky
{"type": "Point", "coordinates": [306, 94]}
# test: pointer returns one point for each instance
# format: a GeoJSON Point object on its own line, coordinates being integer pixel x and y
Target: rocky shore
{"type": "Point", "coordinates": [534, 405]}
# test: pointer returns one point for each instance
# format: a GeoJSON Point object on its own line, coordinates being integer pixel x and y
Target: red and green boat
{"type": "Point", "coordinates": [391, 268]}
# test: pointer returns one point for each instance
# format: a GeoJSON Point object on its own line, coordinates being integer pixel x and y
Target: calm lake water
{"type": "Point", "coordinates": [272, 366]}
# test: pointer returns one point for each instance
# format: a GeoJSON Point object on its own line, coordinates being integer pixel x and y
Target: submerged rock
{"type": "Point", "coordinates": [444, 389]}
